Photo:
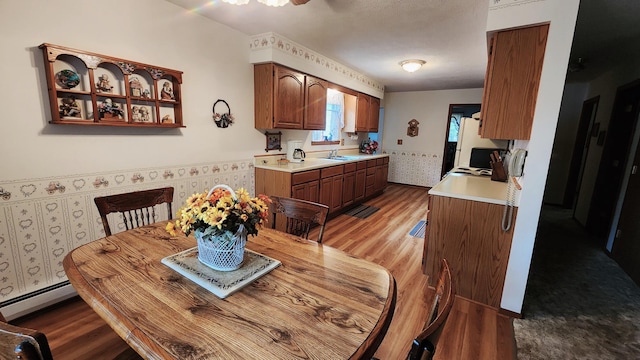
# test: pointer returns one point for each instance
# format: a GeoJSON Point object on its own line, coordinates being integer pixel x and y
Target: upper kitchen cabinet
{"type": "Point", "coordinates": [288, 99]}
{"type": "Point", "coordinates": [367, 113]}
{"type": "Point", "coordinates": [511, 82]}
{"type": "Point", "coordinates": [315, 100]}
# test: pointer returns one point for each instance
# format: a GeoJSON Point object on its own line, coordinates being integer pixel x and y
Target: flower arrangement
{"type": "Point", "coordinates": [221, 213]}
{"type": "Point", "coordinates": [368, 146]}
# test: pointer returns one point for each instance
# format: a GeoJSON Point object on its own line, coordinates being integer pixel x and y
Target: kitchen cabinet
{"type": "Point", "coordinates": [367, 113]}
{"type": "Point", "coordinates": [370, 181]}
{"type": "Point", "coordinates": [331, 187]}
{"type": "Point", "coordinates": [511, 82]}
{"type": "Point", "coordinates": [315, 110]}
{"type": "Point", "coordinates": [468, 234]}
{"type": "Point", "coordinates": [288, 99]}
{"type": "Point", "coordinates": [348, 184]}
{"type": "Point", "coordinates": [92, 89]}
{"type": "Point", "coordinates": [360, 181]}
{"type": "Point", "coordinates": [382, 171]}
{"type": "Point", "coordinates": [306, 185]}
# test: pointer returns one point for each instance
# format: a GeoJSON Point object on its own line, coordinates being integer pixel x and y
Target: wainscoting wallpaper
{"type": "Point", "coordinates": [41, 220]}
{"type": "Point", "coordinates": [414, 168]}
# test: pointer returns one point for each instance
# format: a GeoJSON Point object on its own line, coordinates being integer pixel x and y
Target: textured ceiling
{"type": "Point", "coordinates": [373, 36]}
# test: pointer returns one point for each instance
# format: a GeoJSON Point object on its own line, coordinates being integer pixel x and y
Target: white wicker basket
{"type": "Point", "coordinates": [224, 252]}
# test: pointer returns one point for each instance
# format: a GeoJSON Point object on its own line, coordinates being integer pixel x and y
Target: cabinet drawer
{"type": "Point", "coordinates": [361, 165]}
{"type": "Point", "coordinates": [305, 176]}
{"type": "Point", "coordinates": [371, 163]}
{"type": "Point", "coordinates": [380, 161]}
{"type": "Point", "coordinates": [371, 171]}
{"type": "Point", "coordinates": [331, 171]}
{"type": "Point", "coordinates": [350, 167]}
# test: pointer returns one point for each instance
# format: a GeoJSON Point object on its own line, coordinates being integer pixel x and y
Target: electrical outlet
{"type": "Point", "coordinates": [342, 142]}
{"type": "Point", "coordinates": [399, 141]}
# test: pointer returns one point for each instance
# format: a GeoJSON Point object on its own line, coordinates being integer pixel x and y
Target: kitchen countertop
{"type": "Point", "coordinates": [316, 163]}
{"type": "Point", "coordinates": [475, 188]}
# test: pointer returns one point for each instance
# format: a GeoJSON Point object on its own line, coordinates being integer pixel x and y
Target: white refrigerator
{"type": "Point", "coordinates": [469, 138]}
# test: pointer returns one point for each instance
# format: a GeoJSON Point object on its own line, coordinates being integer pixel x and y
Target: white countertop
{"type": "Point", "coordinates": [316, 163]}
{"type": "Point", "coordinates": [475, 188]}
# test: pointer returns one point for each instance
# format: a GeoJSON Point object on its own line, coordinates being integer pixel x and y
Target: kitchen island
{"type": "Point", "coordinates": [465, 226]}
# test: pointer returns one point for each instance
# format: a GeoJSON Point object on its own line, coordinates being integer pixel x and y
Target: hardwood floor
{"type": "Point", "coordinates": [473, 331]}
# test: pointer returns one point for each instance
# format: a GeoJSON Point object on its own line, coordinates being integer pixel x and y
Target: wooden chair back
{"type": "Point", "coordinates": [137, 208]}
{"type": "Point", "coordinates": [22, 343]}
{"type": "Point", "coordinates": [301, 215]}
{"type": "Point", "coordinates": [424, 345]}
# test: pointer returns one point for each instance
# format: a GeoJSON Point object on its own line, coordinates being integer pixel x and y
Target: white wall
{"type": "Point", "coordinates": [37, 227]}
{"type": "Point", "coordinates": [562, 17]}
{"type": "Point", "coordinates": [431, 109]}
{"type": "Point", "coordinates": [214, 59]}
{"type": "Point", "coordinates": [561, 155]}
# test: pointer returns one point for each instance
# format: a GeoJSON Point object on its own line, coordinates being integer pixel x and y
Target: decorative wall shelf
{"type": "Point", "coordinates": [92, 89]}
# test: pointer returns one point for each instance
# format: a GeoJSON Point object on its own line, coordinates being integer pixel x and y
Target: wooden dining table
{"type": "Point", "coordinates": [320, 303]}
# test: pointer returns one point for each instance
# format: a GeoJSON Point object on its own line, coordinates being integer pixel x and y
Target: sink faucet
{"type": "Point", "coordinates": [333, 153]}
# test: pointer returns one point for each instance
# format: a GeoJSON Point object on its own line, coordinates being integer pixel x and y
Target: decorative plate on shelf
{"type": "Point", "coordinates": [67, 79]}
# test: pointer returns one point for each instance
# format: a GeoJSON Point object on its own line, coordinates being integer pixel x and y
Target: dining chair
{"type": "Point", "coordinates": [301, 215]}
{"type": "Point", "coordinates": [137, 208]}
{"type": "Point", "coordinates": [423, 346]}
{"type": "Point", "coordinates": [22, 343]}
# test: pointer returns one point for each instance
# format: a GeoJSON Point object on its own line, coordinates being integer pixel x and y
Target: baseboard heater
{"type": "Point", "coordinates": [36, 300]}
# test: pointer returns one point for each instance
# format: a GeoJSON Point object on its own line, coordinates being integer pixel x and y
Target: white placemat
{"type": "Point", "coordinates": [220, 283]}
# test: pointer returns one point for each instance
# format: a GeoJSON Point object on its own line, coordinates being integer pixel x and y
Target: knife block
{"type": "Point", "coordinates": [497, 171]}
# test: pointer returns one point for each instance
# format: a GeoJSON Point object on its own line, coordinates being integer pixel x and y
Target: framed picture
{"type": "Point", "coordinates": [273, 141]}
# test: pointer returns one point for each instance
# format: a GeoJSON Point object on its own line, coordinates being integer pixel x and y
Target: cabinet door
{"type": "Point", "coordinates": [468, 234]}
{"type": "Point", "coordinates": [336, 193]}
{"type": "Point", "coordinates": [511, 84]}
{"type": "Point", "coordinates": [360, 184]}
{"type": "Point", "coordinates": [315, 110]}
{"type": "Point", "coordinates": [326, 188]}
{"type": "Point", "coordinates": [362, 112]}
{"type": "Point", "coordinates": [306, 191]}
{"type": "Point", "coordinates": [348, 186]}
{"type": "Point", "coordinates": [288, 101]}
{"type": "Point", "coordinates": [374, 114]}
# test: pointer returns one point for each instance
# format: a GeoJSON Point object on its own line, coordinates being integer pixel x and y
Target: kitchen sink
{"type": "Point", "coordinates": [344, 158]}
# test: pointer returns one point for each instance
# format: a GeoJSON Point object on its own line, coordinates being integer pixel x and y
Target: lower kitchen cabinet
{"type": "Point", "coordinates": [338, 186]}
{"type": "Point", "coordinates": [348, 184]}
{"type": "Point", "coordinates": [331, 187]}
{"type": "Point", "coordinates": [469, 235]}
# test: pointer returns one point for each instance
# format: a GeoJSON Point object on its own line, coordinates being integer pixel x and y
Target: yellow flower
{"type": "Point", "coordinates": [171, 229]}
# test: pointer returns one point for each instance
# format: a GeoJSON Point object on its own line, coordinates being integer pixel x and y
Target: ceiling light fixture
{"type": "Point", "coordinates": [412, 65]}
{"type": "Point", "coordinates": [266, 2]}
{"type": "Point", "coordinates": [236, 2]}
{"type": "Point", "coordinates": [274, 2]}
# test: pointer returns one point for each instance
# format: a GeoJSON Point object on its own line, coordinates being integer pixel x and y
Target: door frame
{"type": "Point", "coordinates": [581, 151]}
{"type": "Point", "coordinates": [446, 134]}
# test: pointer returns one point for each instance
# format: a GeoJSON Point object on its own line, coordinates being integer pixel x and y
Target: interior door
{"type": "Point", "coordinates": [614, 157]}
{"type": "Point", "coordinates": [626, 246]}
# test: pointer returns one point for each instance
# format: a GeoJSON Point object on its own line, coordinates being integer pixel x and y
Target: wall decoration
{"type": "Point", "coordinates": [413, 129]}
{"type": "Point", "coordinates": [222, 120]}
{"type": "Point", "coordinates": [273, 141]}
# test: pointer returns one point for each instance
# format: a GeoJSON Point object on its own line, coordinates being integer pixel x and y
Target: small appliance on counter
{"type": "Point", "coordinates": [294, 151]}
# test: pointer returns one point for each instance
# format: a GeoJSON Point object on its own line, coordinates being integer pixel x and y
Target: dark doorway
{"type": "Point", "coordinates": [580, 149]}
{"type": "Point", "coordinates": [456, 111]}
{"type": "Point", "coordinates": [614, 157]}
